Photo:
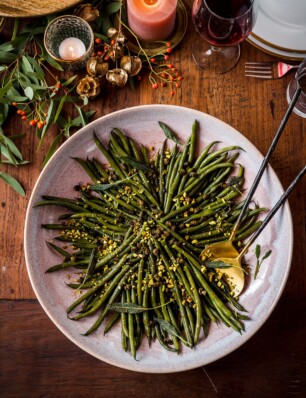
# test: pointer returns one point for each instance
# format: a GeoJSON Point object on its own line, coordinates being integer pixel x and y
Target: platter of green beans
{"type": "Point", "coordinates": [116, 225]}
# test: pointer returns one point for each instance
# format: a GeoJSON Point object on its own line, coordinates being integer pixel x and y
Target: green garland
{"type": "Point", "coordinates": [30, 87]}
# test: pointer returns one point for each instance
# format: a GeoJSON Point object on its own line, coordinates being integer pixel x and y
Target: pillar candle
{"type": "Point", "coordinates": [152, 20]}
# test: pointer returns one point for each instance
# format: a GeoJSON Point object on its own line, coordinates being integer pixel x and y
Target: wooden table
{"type": "Point", "coordinates": [37, 360]}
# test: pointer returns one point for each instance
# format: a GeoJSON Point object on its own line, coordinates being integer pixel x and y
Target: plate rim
{"type": "Point", "coordinates": [258, 36]}
{"type": "Point", "coordinates": [257, 43]}
{"type": "Point", "coordinates": [242, 338]}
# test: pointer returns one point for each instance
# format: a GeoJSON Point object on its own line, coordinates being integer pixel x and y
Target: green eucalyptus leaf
{"type": "Point", "coordinates": [4, 108]}
{"type": "Point", "coordinates": [266, 255]}
{"type": "Point", "coordinates": [217, 264]}
{"type": "Point", "coordinates": [59, 108]}
{"type": "Point", "coordinates": [105, 187]}
{"type": "Point", "coordinates": [52, 149]}
{"type": "Point", "coordinates": [130, 308]}
{"type": "Point", "coordinates": [49, 120]}
{"type": "Point", "coordinates": [19, 42]}
{"type": "Point", "coordinates": [12, 182]}
{"type": "Point", "coordinates": [169, 328]}
{"type": "Point", "coordinates": [7, 57]}
{"type": "Point", "coordinates": [26, 66]}
{"type": "Point", "coordinates": [37, 68]}
{"type": "Point", "coordinates": [5, 89]}
{"type": "Point", "coordinates": [9, 143]}
{"type": "Point", "coordinates": [135, 163]}
{"type": "Point", "coordinates": [69, 81]}
{"type": "Point", "coordinates": [169, 133]}
{"type": "Point", "coordinates": [83, 116]}
{"type": "Point", "coordinates": [257, 251]}
{"type": "Point", "coordinates": [5, 101]}
{"type": "Point", "coordinates": [6, 152]}
{"type": "Point", "coordinates": [29, 92]}
{"type": "Point", "coordinates": [6, 47]}
{"type": "Point", "coordinates": [14, 95]}
{"type": "Point", "coordinates": [76, 122]}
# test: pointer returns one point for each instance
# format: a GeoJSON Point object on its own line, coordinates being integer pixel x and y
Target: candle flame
{"type": "Point", "coordinates": [150, 2]}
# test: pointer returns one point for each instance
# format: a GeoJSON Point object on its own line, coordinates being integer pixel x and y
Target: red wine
{"type": "Point", "coordinates": [223, 23]}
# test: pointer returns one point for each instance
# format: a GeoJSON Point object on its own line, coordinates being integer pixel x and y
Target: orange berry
{"type": "Point", "coordinates": [98, 40]}
{"type": "Point", "coordinates": [44, 122]}
{"type": "Point", "coordinates": [23, 118]}
{"type": "Point", "coordinates": [172, 93]}
{"type": "Point", "coordinates": [23, 113]}
{"type": "Point", "coordinates": [155, 86]}
{"type": "Point", "coordinates": [153, 59]}
{"type": "Point", "coordinates": [99, 53]}
{"type": "Point", "coordinates": [168, 44]}
{"type": "Point", "coordinates": [177, 85]}
{"type": "Point", "coordinates": [58, 85]}
{"type": "Point", "coordinates": [163, 84]}
{"type": "Point", "coordinates": [171, 78]}
{"type": "Point", "coordinates": [166, 57]}
{"type": "Point", "coordinates": [180, 78]}
{"type": "Point", "coordinates": [139, 78]}
{"type": "Point", "coordinates": [32, 123]}
{"type": "Point", "coordinates": [169, 50]}
{"type": "Point", "coordinates": [19, 112]}
{"type": "Point", "coordinates": [40, 125]}
{"type": "Point", "coordinates": [113, 42]}
{"type": "Point", "coordinates": [163, 75]}
{"type": "Point", "coordinates": [170, 66]}
{"type": "Point", "coordinates": [14, 103]}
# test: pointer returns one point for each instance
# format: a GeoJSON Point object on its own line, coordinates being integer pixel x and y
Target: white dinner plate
{"type": "Point", "coordinates": [280, 28]}
{"type": "Point", "coordinates": [62, 173]}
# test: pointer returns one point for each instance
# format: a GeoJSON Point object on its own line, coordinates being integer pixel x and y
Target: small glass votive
{"type": "Point", "coordinates": [69, 40]}
{"type": "Point", "coordinates": [298, 81]}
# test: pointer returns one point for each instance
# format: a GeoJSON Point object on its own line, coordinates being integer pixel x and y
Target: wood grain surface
{"type": "Point", "coordinates": [26, 8]}
{"type": "Point", "coordinates": [37, 360]}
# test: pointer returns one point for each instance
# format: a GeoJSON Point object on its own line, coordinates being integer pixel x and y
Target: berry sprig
{"type": "Point", "coordinates": [35, 111]}
{"type": "Point", "coordinates": [162, 74]}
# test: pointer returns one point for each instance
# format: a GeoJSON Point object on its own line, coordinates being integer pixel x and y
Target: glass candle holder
{"type": "Point", "coordinates": [69, 40]}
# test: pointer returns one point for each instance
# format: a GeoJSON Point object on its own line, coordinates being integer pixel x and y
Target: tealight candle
{"type": "Point", "coordinates": [152, 20]}
{"type": "Point", "coordinates": [69, 40]}
{"type": "Point", "coordinates": [71, 48]}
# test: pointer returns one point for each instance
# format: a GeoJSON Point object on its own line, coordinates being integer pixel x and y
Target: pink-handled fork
{"type": "Point", "coordinates": [267, 70]}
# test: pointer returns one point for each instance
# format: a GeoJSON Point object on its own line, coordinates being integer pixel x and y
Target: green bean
{"type": "Point", "coordinates": [111, 323]}
{"type": "Point", "coordinates": [124, 316]}
{"type": "Point", "coordinates": [131, 328]}
{"type": "Point", "coordinates": [197, 304]}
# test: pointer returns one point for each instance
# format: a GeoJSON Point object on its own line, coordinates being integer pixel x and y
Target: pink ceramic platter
{"type": "Point", "coordinates": [62, 173]}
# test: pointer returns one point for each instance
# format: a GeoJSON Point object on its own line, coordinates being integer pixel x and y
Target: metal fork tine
{"type": "Point", "coordinates": [260, 71]}
{"type": "Point", "coordinates": [264, 68]}
{"type": "Point", "coordinates": [261, 76]}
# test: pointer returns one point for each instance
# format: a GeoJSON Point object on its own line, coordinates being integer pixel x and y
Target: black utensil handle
{"type": "Point", "coordinates": [280, 202]}
{"type": "Point", "coordinates": [266, 159]}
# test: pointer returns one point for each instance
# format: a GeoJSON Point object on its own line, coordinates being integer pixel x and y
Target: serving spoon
{"type": "Point", "coordinates": [230, 257]}
{"type": "Point", "coordinates": [225, 252]}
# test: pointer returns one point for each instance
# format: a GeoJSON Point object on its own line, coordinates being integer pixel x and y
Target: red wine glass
{"type": "Point", "coordinates": [222, 25]}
